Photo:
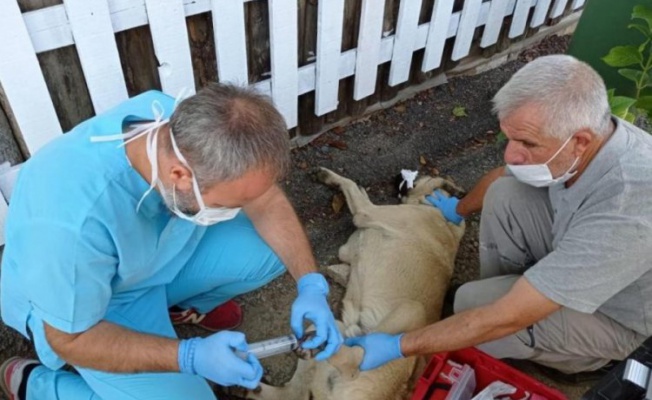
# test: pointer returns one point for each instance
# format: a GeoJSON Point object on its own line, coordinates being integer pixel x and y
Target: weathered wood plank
{"type": "Point", "coordinates": [404, 41]}
{"type": "Point", "coordinates": [519, 20]}
{"type": "Point", "coordinates": [368, 50]}
{"type": "Point", "coordinates": [230, 41]}
{"type": "Point", "coordinates": [23, 82]}
{"type": "Point", "coordinates": [95, 41]}
{"type": "Point", "coordinates": [284, 44]}
{"type": "Point", "coordinates": [497, 12]}
{"type": "Point", "coordinates": [466, 29]}
{"type": "Point", "coordinates": [558, 8]}
{"type": "Point", "coordinates": [167, 23]}
{"type": "Point", "coordinates": [437, 34]}
{"type": "Point", "coordinates": [330, 20]}
{"type": "Point", "coordinates": [540, 13]}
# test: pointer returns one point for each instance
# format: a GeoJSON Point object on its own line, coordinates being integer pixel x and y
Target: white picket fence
{"type": "Point", "coordinates": [91, 25]}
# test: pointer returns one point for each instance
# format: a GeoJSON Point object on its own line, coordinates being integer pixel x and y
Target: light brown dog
{"type": "Point", "coordinates": [399, 263]}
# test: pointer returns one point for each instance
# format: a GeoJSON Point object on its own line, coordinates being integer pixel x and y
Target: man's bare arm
{"type": "Point", "coordinates": [278, 224]}
{"type": "Point", "coordinates": [112, 348]}
{"type": "Point", "coordinates": [522, 306]}
{"type": "Point", "coordinates": [472, 202]}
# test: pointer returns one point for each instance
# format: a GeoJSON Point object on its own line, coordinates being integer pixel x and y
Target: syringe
{"type": "Point", "coordinates": [271, 347]}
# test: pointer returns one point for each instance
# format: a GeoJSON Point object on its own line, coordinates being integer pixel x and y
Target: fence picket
{"type": "Point", "coordinates": [368, 51]}
{"type": "Point", "coordinates": [540, 13]}
{"type": "Point", "coordinates": [577, 4]}
{"type": "Point", "coordinates": [558, 8]}
{"type": "Point", "coordinates": [519, 21]}
{"type": "Point", "coordinates": [404, 41]}
{"type": "Point", "coordinates": [330, 20]}
{"type": "Point", "coordinates": [230, 41]}
{"type": "Point", "coordinates": [466, 29]}
{"type": "Point", "coordinates": [3, 218]}
{"type": "Point", "coordinates": [283, 36]}
{"type": "Point", "coordinates": [23, 83]}
{"type": "Point", "coordinates": [167, 22]}
{"type": "Point", "coordinates": [437, 34]}
{"type": "Point", "coordinates": [98, 53]}
{"type": "Point", "coordinates": [497, 12]}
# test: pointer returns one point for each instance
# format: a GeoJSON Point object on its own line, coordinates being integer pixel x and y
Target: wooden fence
{"type": "Point", "coordinates": [320, 61]}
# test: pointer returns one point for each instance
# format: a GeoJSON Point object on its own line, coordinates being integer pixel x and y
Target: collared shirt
{"type": "Point", "coordinates": [75, 244]}
{"type": "Point", "coordinates": [602, 235]}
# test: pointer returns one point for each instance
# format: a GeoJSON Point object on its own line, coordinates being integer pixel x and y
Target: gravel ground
{"type": "Point", "coordinates": [420, 133]}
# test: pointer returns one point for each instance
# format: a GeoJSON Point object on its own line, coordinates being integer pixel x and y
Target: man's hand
{"type": "Point", "coordinates": [311, 304]}
{"type": "Point", "coordinates": [447, 205]}
{"type": "Point", "coordinates": [214, 358]}
{"type": "Point", "coordinates": [379, 349]}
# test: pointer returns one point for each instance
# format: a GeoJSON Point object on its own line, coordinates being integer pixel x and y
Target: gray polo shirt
{"type": "Point", "coordinates": [602, 235]}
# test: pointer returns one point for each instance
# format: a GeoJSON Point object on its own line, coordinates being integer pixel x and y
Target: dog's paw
{"type": "Point", "coordinates": [324, 175]}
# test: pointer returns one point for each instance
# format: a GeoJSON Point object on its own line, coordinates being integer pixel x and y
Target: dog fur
{"type": "Point", "coordinates": [399, 263]}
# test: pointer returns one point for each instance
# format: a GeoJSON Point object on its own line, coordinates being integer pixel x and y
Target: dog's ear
{"type": "Point", "coordinates": [401, 186]}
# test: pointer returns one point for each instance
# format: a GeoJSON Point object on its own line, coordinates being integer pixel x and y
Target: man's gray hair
{"type": "Point", "coordinates": [570, 95]}
{"type": "Point", "coordinates": [224, 131]}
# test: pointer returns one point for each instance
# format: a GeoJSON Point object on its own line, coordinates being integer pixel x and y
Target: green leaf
{"type": "Point", "coordinates": [635, 76]}
{"type": "Point", "coordinates": [641, 28]}
{"type": "Point", "coordinates": [641, 48]}
{"type": "Point", "coordinates": [630, 117]}
{"type": "Point", "coordinates": [459, 111]}
{"type": "Point", "coordinates": [610, 94]}
{"type": "Point", "coordinates": [644, 13]}
{"type": "Point", "coordinates": [623, 56]}
{"type": "Point", "coordinates": [620, 105]}
{"type": "Point", "coordinates": [501, 137]}
{"type": "Point", "coordinates": [644, 103]}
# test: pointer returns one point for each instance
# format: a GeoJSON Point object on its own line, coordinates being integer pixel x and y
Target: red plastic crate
{"type": "Point", "coordinates": [487, 370]}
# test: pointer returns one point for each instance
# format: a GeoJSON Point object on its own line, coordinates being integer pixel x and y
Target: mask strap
{"type": "Point", "coordinates": [195, 185]}
{"type": "Point", "coordinates": [560, 149]}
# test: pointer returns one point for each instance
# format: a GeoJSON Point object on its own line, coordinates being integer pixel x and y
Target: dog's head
{"type": "Point", "coordinates": [425, 185]}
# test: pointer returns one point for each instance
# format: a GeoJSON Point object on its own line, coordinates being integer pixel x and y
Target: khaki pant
{"type": "Point", "coordinates": [515, 232]}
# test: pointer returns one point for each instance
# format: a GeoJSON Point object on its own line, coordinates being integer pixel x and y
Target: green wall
{"type": "Point", "coordinates": [603, 25]}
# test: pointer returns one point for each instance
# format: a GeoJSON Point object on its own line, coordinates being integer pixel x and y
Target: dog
{"type": "Point", "coordinates": [399, 263]}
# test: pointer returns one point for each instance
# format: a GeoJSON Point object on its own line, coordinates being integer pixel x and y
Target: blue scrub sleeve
{"type": "Point", "coordinates": [67, 271]}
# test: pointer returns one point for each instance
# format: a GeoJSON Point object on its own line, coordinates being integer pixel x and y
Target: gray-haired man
{"type": "Point", "coordinates": [565, 233]}
{"type": "Point", "coordinates": [106, 231]}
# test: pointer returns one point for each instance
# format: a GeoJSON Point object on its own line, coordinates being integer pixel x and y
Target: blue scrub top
{"type": "Point", "coordinates": [75, 245]}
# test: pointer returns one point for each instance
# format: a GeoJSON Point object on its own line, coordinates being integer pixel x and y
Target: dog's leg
{"type": "Point", "coordinates": [406, 316]}
{"type": "Point", "coordinates": [339, 273]}
{"type": "Point", "coordinates": [298, 388]}
{"type": "Point", "coordinates": [356, 198]}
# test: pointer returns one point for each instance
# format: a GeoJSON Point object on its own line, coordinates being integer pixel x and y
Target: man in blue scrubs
{"type": "Point", "coordinates": [147, 209]}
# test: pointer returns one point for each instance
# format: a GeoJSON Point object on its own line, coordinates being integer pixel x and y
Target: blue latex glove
{"type": "Point", "coordinates": [311, 304]}
{"type": "Point", "coordinates": [214, 358]}
{"type": "Point", "coordinates": [447, 206]}
{"type": "Point", "coordinates": [379, 349]}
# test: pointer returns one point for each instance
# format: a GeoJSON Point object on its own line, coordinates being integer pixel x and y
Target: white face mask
{"type": "Point", "coordinates": [205, 216]}
{"type": "Point", "coordinates": [539, 175]}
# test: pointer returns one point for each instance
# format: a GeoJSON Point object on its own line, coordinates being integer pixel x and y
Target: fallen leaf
{"type": "Point", "coordinates": [339, 130]}
{"type": "Point", "coordinates": [459, 111]}
{"type": "Point", "coordinates": [434, 171]}
{"type": "Point", "coordinates": [400, 108]}
{"type": "Point", "coordinates": [422, 160]}
{"type": "Point", "coordinates": [337, 203]}
{"type": "Point", "coordinates": [303, 165]}
{"type": "Point", "coordinates": [338, 144]}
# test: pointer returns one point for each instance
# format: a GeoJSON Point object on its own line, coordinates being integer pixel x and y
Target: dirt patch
{"type": "Point", "coordinates": [421, 133]}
